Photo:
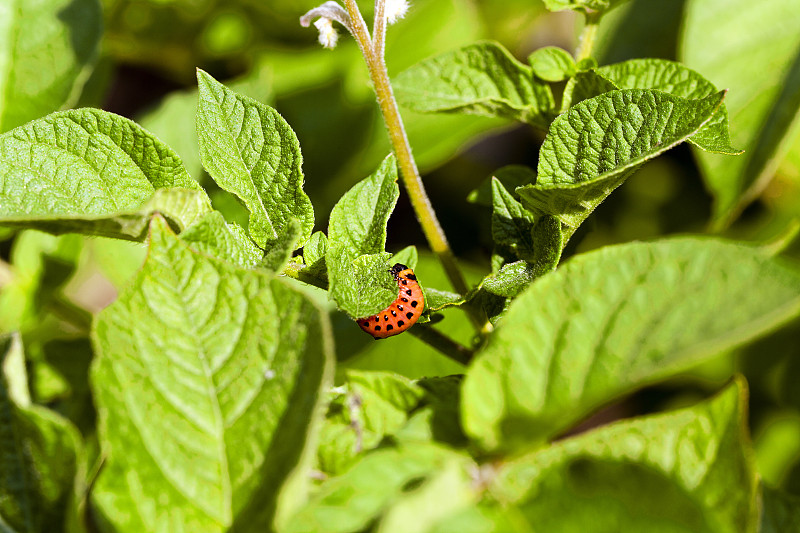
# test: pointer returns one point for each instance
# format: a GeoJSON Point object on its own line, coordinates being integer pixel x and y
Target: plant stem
{"type": "Point", "coordinates": [588, 35]}
{"type": "Point", "coordinates": [438, 340]}
{"type": "Point", "coordinates": [373, 54]}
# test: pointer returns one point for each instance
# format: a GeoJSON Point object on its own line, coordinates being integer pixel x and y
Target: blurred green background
{"type": "Point", "coordinates": [145, 70]}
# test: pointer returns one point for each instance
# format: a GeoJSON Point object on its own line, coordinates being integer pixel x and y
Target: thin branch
{"type": "Point", "coordinates": [438, 340]}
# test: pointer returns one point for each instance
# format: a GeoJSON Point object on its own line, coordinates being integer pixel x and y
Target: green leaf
{"type": "Point", "coordinates": [781, 511]}
{"type": "Point", "coordinates": [754, 49]}
{"type": "Point", "coordinates": [676, 79]}
{"type": "Point", "coordinates": [281, 251]}
{"type": "Point", "coordinates": [688, 470]}
{"type": "Point", "coordinates": [252, 152]}
{"type": "Point", "coordinates": [358, 267]}
{"type": "Point", "coordinates": [213, 236]}
{"type": "Point", "coordinates": [171, 118]}
{"type": "Point", "coordinates": [512, 224]}
{"type": "Point", "coordinates": [368, 407]}
{"type": "Point", "coordinates": [207, 380]}
{"type": "Point", "coordinates": [362, 286]}
{"type": "Point", "coordinates": [352, 501]}
{"type": "Point", "coordinates": [407, 256]}
{"type": "Point", "coordinates": [91, 172]}
{"type": "Point", "coordinates": [358, 220]}
{"type": "Point", "coordinates": [616, 319]}
{"type": "Point", "coordinates": [38, 453]}
{"type": "Point", "coordinates": [479, 79]}
{"type": "Point", "coordinates": [46, 47]}
{"type": "Point", "coordinates": [592, 148]}
{"type": "Point", "coordinates": [552, 63]}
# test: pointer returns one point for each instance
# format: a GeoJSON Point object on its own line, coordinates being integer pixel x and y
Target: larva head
{"type": "Point", "coordinates": [396, 269]}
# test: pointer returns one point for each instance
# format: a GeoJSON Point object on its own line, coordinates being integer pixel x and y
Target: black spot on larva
{"type": "Point", "coordinates": [411, 277]}
{"type": "Point", "coordinates": [389, 327]}
{"type": "Point", "coordinates": [408, 292]}
{"type": "Point", "coordinates": [409, 315]}
{"type": "Point", "coordinates": [404, 299]}
{"type": "Point", "coordinates": [386, 317]}
{"type": "Point", "coordinates": [400, 307]}
{"type": "Point", "coordinates": [377, 328]}
{"type": "Point", "coordinates": [394, 313]}
{"type": "Point", "coordinates": [400, 323]}
{"type": "Point", "coordinates": [404, 282]}
{"type": "Point", "coordinates": [414, 303]}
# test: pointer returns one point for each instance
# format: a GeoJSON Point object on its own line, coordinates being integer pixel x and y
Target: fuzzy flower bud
{"type": "Point", "coordinates": [395, 10]}
{"type": "Point", "coordinates": [328, 36]}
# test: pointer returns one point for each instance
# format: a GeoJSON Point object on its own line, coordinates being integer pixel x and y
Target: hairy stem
{"type": "Point", "coordinates": [402, 149]}
{"type": "Point", "coordinates": [588, 35]}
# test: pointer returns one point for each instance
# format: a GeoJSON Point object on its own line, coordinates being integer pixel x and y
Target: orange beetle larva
{"type": "Point", "coordinates": [403, 312]}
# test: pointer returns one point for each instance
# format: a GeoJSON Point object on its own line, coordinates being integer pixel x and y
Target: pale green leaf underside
{"type": "Point", "coordinates": [250, 151]}
{"type": "Point", "coordinates": [38, 453]}
{"type": "Point", "coordinates": [753, 48]}
{"type": "Point", "coordinates": [481, 79]}
{"type": "Point", "coordinates": [613, 320]}
{"type": "Point", "coordinates": [89, 171]}
{"type": "Point", "coordinates": [688, 470]}
{"type": "Point", "coordinates": [592, 148]}
{"type": "Point", "coordinates": [676, 79]}
{"type": "Point", "coordinates": [781, 511]}
{"type": "Point", "coordinates": [44, 47]}
{"type": "Point", "coordinates": [206, 379]}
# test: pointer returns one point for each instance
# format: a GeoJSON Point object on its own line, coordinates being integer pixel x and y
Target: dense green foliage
{"type": "Point", "coordinates": [178, 349]}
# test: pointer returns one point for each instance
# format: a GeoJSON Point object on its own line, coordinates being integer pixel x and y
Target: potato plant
{"type": "Point", "coordinates": [215, 389]}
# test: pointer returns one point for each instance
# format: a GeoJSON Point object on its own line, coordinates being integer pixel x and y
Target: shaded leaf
{"type": "Point", "coordinates": [38, 453]}
{"type": "Point", "coordinates": [511, 177]}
